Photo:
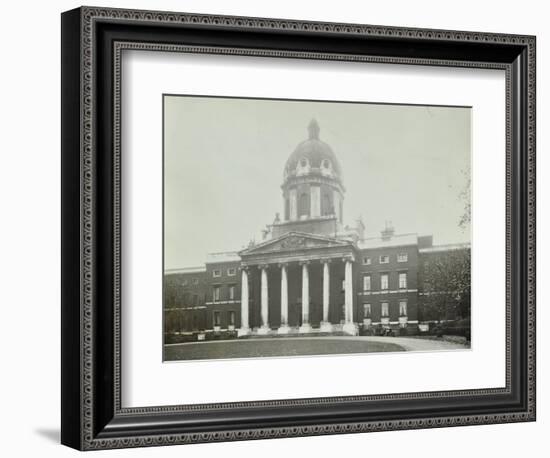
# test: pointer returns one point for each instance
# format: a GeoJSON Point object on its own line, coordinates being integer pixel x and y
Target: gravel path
{"type": "Point", "coordinates": [419, 344]}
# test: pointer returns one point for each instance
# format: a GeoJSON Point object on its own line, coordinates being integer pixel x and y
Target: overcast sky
{"type": "Point", "coordinates": [224, 161]}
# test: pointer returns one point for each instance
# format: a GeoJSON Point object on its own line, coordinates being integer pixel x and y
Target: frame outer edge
{"type": "Point", "coordinates": [71, 307]}
{"type": "Point", "coordinates": [86, 399]}
{"type": "Point", "coordinates": [531, 225]}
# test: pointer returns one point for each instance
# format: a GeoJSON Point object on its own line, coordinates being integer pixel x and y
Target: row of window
{"type": "Point", "coordinates": [217, 318]}
{"type": "Point", "coordinates": [231, 272]}
{"type": "Point", "coordinates": [384, 281]}
{"type": "Point", "coordinates": [216, 293]}
{"type": "Point", "coordinates": [385, 259]}
{"type": "Point", "coordinates": [385, 309]}
{"type": "Point", "coordinates": [305, 163]}
{"type": "Point", "coordinates": [193, 281]}
{"type": "Point", "coordinates": [188, 296]}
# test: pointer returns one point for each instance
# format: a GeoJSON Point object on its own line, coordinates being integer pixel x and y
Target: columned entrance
{"type": "Point", "coordinates": [297, 296]}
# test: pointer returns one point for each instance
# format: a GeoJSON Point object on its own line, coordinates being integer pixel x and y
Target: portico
{"type": "Point", "coordinates": [313, 302]}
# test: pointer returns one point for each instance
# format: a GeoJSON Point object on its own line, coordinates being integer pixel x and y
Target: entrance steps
{"type": "Point", "coordinates": [294, 331]}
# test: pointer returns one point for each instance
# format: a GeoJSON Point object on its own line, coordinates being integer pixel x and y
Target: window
{"type": "Point", "coordinates": [195, 281]}
{"type": "Point", "coordinates": [231, 292]}
{"type": "Point", "coordinates": [231, 272]}
{"type": "Point", "coordinates": [384, 259]}
{"type": "Point", "coordinates": [366, 261]}
{"type": "Point", "coordinates": [366, 283]}
{"type": "Point", "coordinates": [216, 273]}
{"type": "Point", "coordinates": [402, 308]}
{"type": "Point", "coordinates": [216, 294]}
{"type": "Point", "coordinates": [184, 282]}
{"type": "Point", "coordinates": [326, 164]}
{"type": "Point", "coordinates": [231, 318]}
{"type": "Point", "coordinates": [402, 257]}
{"type": "Point", "coordinates": [217, 319]}
{"type": "Point", "coordinates": [384, 281]}
{"type": "Point", "coordinates": [402, 280]}
{"type": "Point", "coordinates": [366, 310]}
{"type": "Point", "coordinates": [195, 299]}
{"type": "Point", "coordinates": [303, 205]}
{"type": "Point", "coordinates": [327, 208]}
{"type": "Point", "coordinates": [303, 162]}
{"type": "Point", "coordinates": [385, 309]}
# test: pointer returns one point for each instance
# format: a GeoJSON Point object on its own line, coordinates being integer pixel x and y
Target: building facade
{"type": "Point", "coordinates": [311, 272]}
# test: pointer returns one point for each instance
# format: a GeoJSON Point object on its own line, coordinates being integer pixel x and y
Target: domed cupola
{"type": "Point", "coordinates": [313, 156]}
{"type": "Point", "coordinates": [313, 187]}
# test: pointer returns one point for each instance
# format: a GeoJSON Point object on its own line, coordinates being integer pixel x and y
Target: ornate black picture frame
{"type": "Point", "coordinates": [92, 42]}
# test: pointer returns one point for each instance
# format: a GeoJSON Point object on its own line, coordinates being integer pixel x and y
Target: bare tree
{"type": "Point", "coordinates": [446, 283]}
{"type": "Point", "coordinates": [466, 197]}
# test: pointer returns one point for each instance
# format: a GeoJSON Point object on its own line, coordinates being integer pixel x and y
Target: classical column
{"type": "Point", "coordinates": [306, 327]}
{"type": "Point", "coordinates": [349, 326]}
{"type": "Point", "coordinates": [284, 329]}
{"type": "Point", "coordinates": [264, 300]}
{"type": "Point", "coordinates": [326, 325]}
{"type": "Point", "coordinates": [244, 329]}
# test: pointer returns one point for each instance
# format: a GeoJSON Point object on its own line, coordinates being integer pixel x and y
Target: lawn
{"type": "Point", "coordinates": [255, 348]}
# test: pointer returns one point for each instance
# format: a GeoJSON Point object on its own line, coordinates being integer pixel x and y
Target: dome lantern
{"type": "Point", "coordinates": [313, 129]}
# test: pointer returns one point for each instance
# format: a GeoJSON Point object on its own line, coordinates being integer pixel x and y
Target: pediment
{"type": "Point", "coordinates": [293, 241]}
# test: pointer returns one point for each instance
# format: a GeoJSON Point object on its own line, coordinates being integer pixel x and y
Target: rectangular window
{"type": "Point", "coordinates": [195, 299]}
{"type": "Point", "coordinates": [216, 273]}
{"type": "Point", "coordinates": [195, 281]}
{"type": "Point", "coordinates": [384, 281]}
{"type": "Point", "coordinates": [402, 308]}
{"type": "Point", "coordinates": [366, 261]}
{"type": "Point", "coordinates": [231, 318]}
{"type": "Point", "coordinates": [231, 292]}
{"type": "Point", "coordinates": [184, 283]}
{"type": "Point", "coordinates": [402, 257]}
{"type": "Point", "coordinates": [216, 294]}
{"type": "Point", "coordinates": [231, 272]}
{"type": "Point", "coordinates": [366, 310]}
{"type": "Point", "coordinates": [366, 283]}
{"type": "Point", "coordinates": [217, 319]}
{"type": "Point", "coordinates": [402, 280]}
{"type": "Point", "coordinates": [385, 309]}
{"type": "Point", "coordinates": [384, 259]}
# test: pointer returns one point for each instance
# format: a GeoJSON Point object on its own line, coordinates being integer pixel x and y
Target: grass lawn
{"type": "Point", "coordinates": [255, 348]}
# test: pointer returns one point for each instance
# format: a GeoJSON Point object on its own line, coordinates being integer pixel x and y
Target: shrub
{"type": "Point", "coordinates": [438, 330]}
{"type": "Point", "coordinates": [221, 335]}
{"type": "Point", "coordinates": [179, 338]}
{"type": "Point", "coordinates": [401, 332]}
{"type": "Point", "coordinates": [453, 328]}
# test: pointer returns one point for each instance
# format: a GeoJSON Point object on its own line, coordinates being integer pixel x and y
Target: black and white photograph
{"type": "Point", "coordinates": [314, 227]}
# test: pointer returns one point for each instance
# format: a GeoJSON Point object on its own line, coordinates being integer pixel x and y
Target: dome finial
{"type": "Point", "coordinates": [313, 129]}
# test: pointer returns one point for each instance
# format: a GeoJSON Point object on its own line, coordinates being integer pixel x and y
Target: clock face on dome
{"type": "Point", "coordinates": [270, 249]}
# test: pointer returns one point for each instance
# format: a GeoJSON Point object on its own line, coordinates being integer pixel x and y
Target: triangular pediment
{"type": "Point", "coordinates": [293, 241]}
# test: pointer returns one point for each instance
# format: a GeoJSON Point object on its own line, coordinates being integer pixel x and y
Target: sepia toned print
{"type": "Point", "coordinates": [296, 228]}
